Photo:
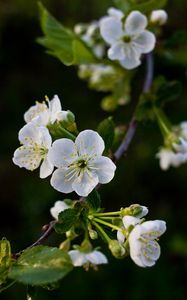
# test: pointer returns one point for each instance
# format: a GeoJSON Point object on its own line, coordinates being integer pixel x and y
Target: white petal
{"type": "Point", "coordinates": [120, 236]}
{"type": "Point", "coordinates": [156, 227]}
{"type": "Point", "coordinates": [85, 183]}
{"type": "Point", "coordinates": [57, 208]}
{"type": "Point", "coordinates": [59, 181]}
{"type": "Point", "coordinates": [116, 51]}
{"type": "Point", "coordinates": [132, 59]}
{"type": "Point", "coordinates": [78, 258]}
{"type": "Point", "coordinates": [62, 115]}
{"type": "Point", "coordinates": [46, 139]}
{"type": "Point", "coordinates": [183, 127]}
{"type": "Point", "coordinates": [130, 220]}
{"type": "Point", "coordinates": [111, 29]}
{"type": "Point", "coordinates": [159, 16]}
{"type": "Point", "coordinates": [96, 258]}
{"type": "Point", "coordinates": [89, 144]}
{"type": "Point", "coordinates": [30, 133]}
{"type": "Point", "coordinates": [135, 23]}
{"type": "Point", "coordinates": [25, 157]}
{"type": "Point", "coordinates": [54, 108]}
{"type": "Point", "coordinates": [116, 13]}
{"type": "Point", "coordinates": [145, 42]}
{"type": "Point", "coordinates": [36, 110]}
{"type": "Point", "coordinates": [104, 168]}
{"type": "Point", "coordinates": [46, 168]}
{"type": "Point", "coordinates": [62, 152]}
{"type": "Point", "coordinates": [143, 213]}
{"type": "Point", "coordinates": [165, 157]}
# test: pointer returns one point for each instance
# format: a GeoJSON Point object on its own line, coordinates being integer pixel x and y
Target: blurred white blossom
{"type": "Point", "coordinates": [174, 152]}
{"type": "Point", "coordinates": [159, 17]}
{"type": "Point", "coordinates": [58, 207]}
{"type": "Point", "coordinates": [128, 39]}
{"type": "Point", "coordinates": [93, 257]}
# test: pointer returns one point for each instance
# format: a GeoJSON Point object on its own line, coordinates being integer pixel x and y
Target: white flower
{"type": "Point", "coordinates": [159, 16]}
{"type": "Point", "coordinates": [36, 143]}
{"type": "Point", "coordinates": [46, 114]}
{"type": "Point", "coordinates": [127, 40]}
{"type": "Point", "coordinates": [58, 207]}
{"type": "Point", "coordinates": [144, 249]}
{"type": "Point", "coordinates": [175, 153]}
{"type": "Point", "coordinates": [93, 257]}
{"type": "Point", "coordinates": [81, 165]}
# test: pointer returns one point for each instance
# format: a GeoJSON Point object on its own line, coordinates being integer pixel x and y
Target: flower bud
{"type": "Point", "coordinates": [135, 210]}
{"type": "Point", "coordinates": [159, 17]}
{"type": "Point", "coordinates": [108, 103]}
{"type": "Point", "coordinates": [65, 246]}
{"type": "Point", "coordinates": [118, 251]}
{"type": "Point", "coordinates": [93, 234]}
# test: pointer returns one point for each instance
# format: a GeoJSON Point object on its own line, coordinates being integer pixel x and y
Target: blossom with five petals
{"type": "Point", "coordinates": [46, 114]}
{"type": "Point", "coordinates": [80, 164]}
{"type": "Point", "coordinates": [128, 39]}
{"type": "Point", "coordinates": [93, 257]}
{"type": "Point", "coordinates": [144, 249]}
{"type": "Point", "coordinates": [36, 142]}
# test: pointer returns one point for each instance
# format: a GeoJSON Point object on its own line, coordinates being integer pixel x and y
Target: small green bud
{"type": "Point", "coordinates": [93, 234]}
{"type": "Point", "coordinates": [134, 210]}
{"type": "Point", "coordinates": [5, 253]}
{"type": "Point", "coordinates": [118, 251]}
{"type": "Point", "coordinates": [65, 246]}
{"type": "Point", "coordinates": [109, 103]}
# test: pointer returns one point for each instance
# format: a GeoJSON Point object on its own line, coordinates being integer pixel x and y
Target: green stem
{"type": "Point", "coordinates": [101, 231]}
{"type": "Point", "coordinates": [107, 214]}
{"type": "Point", "coordinates": [163, 122]}
{"type": "Point", "coordinates": [107, 224]}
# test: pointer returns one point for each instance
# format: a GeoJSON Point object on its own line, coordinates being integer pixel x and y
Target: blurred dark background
{"type": "Point", "coordinates": [27, 74]}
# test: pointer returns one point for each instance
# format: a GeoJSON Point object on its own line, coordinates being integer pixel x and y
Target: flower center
{"type": "Point", "coordinates": [127, 39]}
{"type": "Point", "coordinates": [81, 164]}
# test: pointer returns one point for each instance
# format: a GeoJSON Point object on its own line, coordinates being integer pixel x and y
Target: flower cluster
{"type": "Point", "coordinates": [135, 236]}
{"type": "Point", "coordinates": [80, 164]}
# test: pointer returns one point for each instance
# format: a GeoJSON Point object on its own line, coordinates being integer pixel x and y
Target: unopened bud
{"type": "Point", "coordinates": [109, 103]}
{"type": "Point", "coordinates": [65, 246]}
{"type": "Point", "coordinates": [159, 17]}
{"type": "Point", "coordinates": [116, 248]}
{"type": "Point", "coordinates": [93, 234]}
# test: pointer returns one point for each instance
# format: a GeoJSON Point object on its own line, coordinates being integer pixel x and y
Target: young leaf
{"type": "Point", "coordinates": [144, 110]}
{"type": "Point", "coordinates": [41, 265]}
{"type": "Point", "coordinates": [94, 200]}
{"type": "Point", "coordinates": [61, 42]}
{"type": "Point", "coordinates": [66, 220]}
{"type": "Point", "coordinates": [106, 130]}
{"type": "Point", "coordinates": [168, 92]}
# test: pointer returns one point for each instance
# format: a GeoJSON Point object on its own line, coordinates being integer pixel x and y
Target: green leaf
{"type": "Point", "coordinates": [144, 110]}
{"type": "Point", "coordinates": [5, 259]}
{"type": "Point", "coordinates": [61, 42]}
{"type": "Point", "coordinates": [167, 92]}
{"type": "Point", "coordinates": [66, 219]}
{"type": "Point", "coordinates": [106, 130]}
{"type": "Point", "coordinates": [94, 200]}
{"type": "Point", "coordinates": [41, 265]}
{"type": "Point", "coordinates": [145, 6]}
